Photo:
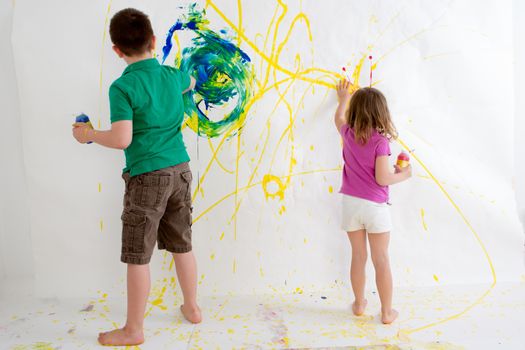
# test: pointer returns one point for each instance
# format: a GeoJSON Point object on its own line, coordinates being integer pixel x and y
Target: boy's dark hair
{"type": "Point", "coordinates": [130, 30]}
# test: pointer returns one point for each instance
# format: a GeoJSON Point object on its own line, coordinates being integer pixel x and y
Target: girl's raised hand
{"type": "Point", "coordinates": [343, 90]}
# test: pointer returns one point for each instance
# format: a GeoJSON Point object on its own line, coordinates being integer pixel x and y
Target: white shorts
{"type": "Point", "coordinates": [362, 214]}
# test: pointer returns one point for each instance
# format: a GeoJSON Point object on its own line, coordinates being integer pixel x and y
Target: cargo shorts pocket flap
{"type": "Point", "coordinates": [133, 230]}
{"type": "Point", "coordinates": [187, 177]}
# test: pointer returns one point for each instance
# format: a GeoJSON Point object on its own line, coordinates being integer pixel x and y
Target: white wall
{"type": "Point", "coordinates": [519, 104]}
{"type": "Point", "coordinates": [16, 253]}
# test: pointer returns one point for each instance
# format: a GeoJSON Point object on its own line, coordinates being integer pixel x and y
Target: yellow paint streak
{"type": "Point", "coordinates": [237, 185]}
{"type": "Point", "coordinates": [436, 278]}
{"type": "Point", "coordinates": [99, 187]}
{"type": "Point", "coordinates": [219, 163]}
{"type": "Point", "coordinates": [330, 189]}
{"type": "Point", "coordinates": [478, 239]}
{"type": "Point", "coordinates": [221, 237]}
{"type": "Point", "coordinates": [102, 61]}
{"type": "Point", "coordinates": [234, 266]}
{"type": "Point", "coordinates": [423, 219]}
{"type": "Point", "coordinates": [272, 62]}
{"type": "Point", "coordinates": [101, 225]}
{"type": "Point", "coordinates": [210, 208]}
{"type": "Point", "coordinates": [239, 13]}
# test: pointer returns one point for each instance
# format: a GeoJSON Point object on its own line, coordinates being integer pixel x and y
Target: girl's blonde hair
{"type": "Point", "coordinates": [368, 111]}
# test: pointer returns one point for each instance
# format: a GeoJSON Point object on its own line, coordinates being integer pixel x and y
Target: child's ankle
{"type": "Point", "coordinates": [133, 329]}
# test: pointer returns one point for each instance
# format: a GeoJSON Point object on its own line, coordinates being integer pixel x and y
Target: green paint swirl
{"type": "Point", "coordinates": [223, 72]}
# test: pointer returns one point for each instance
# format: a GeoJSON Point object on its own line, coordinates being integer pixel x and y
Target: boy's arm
{"type": "Point", "coordinates": [118, 137]}
{"type": "Point", "coordinates": [344, 95]}
{"type": "Point", "coordinates": [192, 85]}
{"type": "Point", "coordinates": [385, 177]}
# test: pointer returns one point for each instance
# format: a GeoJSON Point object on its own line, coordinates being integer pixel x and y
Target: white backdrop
{"type": "Point", "coordinates": [438, 63]}
{"type": "Point", "coordinates": [16, 252]}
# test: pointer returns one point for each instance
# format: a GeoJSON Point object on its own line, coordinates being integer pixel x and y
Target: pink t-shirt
{"type": "Point", "coordinates": [360, 162]}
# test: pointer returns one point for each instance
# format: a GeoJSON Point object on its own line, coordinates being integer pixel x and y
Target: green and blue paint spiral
{"type": "Point", "coordinates": [223, 73]}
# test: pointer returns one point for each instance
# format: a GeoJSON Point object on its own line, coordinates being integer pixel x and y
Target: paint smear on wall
{"type": "Point", "coordinates": [223, 73]}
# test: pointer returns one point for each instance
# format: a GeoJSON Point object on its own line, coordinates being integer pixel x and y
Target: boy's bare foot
{"type": "Point", "coordinates": [121, 337]}
{"type": "Point", "coordinates": [192, 314]}
{"type": "Point", "coordinates": [389, 317]}
{"type": "Point", "coordinates": [359, 308]}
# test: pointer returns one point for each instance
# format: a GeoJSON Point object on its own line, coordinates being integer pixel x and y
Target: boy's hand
{"type": "Point", "coordinates": [343, 91]}
{"type": "Point", "coordinates": [82, 132]}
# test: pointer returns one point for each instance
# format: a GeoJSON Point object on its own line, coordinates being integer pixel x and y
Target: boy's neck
{"type": "Point", "coordinates": [133, 59]}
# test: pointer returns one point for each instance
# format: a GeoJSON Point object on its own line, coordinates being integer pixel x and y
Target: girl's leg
{"type": "Point", "coordinates": [187, 274]}
{"type": "Point", "coordinates": [379, 251]}
{"type": "Point", "coordinates": [357, 270]}
{"type": "Point", "coordinates": [138, 291]}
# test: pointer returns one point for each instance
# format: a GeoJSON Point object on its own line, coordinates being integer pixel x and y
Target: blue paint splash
{"type": "Point", "coordinates": [222, 70]}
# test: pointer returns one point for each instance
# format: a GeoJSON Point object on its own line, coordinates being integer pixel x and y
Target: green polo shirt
{"type": "Point", "coordinates": [150, 95]}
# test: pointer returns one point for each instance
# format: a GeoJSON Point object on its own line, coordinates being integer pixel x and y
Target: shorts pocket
{"type": "Point", "coordinates": [187, 177]}
{"type": "Point", "coordinates": [133, 230]}
{"type": "Point", "coordinates": [149, 190]}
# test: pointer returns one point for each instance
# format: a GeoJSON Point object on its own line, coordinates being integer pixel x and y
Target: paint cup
{"type": "Point", "coordinates": [82, 118]}
{"type": "Point", "coordinates": [403, 159]}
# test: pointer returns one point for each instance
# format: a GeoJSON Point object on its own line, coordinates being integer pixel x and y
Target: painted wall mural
{"type": "Point", "coordinates": [265, 155]}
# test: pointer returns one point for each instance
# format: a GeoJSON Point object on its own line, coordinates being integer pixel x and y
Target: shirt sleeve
{"type": "Point", "coordinates": [183, 79]}
{"type": "Point", "coordinates": [383, 148]}
{"type": "Point", "coordinates": [344, 128]}
{"type": "Point", "coordinates": [119, 105]}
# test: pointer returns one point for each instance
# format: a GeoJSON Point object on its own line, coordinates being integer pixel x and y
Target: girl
{"type": "Point", "coordinates": [363, 120]}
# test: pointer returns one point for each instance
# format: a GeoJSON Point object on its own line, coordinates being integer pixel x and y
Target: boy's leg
{"type": "Point", "coordinates": [357, 270]}
{"type": "Point", "coordinates": [187, 274]}
{"type": "Point", "coordinates": [138, 291]}
{"type": "Point", "coordinates": [379, 251]}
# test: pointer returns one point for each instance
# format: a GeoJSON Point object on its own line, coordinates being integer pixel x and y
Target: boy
{"type": "Point", "coordinates": [147, 112]}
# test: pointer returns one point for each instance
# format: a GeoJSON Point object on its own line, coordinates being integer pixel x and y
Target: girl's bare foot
{"type": "Point", "coordinates": [121, 337]}
{"type": "Point", "coordinates": [192, 314]}
{"type": "Point", "coordinates": [389, 317]}
{"type": "Point", "coordinates": [359, 308]}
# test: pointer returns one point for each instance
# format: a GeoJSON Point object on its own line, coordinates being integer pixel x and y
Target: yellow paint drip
{"type": "Point", "coordinates": [221, 237]}
{"type": "Point", "coordinates": [99, 187]}
{"type": "Point", "coordinates": [330, 189]}
{"type": "Point", "coordinates": [101, 225]}
{"type": "Point", "coordinates": [423, 219]}
{"type": "Point", "coordinates": [282, 210]}
{"type": "Point", "coordinates": [436, 278]}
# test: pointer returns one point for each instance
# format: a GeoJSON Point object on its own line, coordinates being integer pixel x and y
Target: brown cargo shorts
{"type": "Point", "coordinates": [157, 208]}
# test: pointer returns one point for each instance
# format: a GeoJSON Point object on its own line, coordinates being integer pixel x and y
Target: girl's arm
{"type": "Point", "coordinates": [344, 95]}
{"type": "Point", "coordinates": [118, 137]}
{"type": "Point", "coordinates": [384, 177]}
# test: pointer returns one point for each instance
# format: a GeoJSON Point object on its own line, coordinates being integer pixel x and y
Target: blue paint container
{"type": "Point", "coordinates": [82, 118]}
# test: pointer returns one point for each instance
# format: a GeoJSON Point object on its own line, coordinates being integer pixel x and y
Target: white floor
{"type": "Point", "coordinates": [435, 318]}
